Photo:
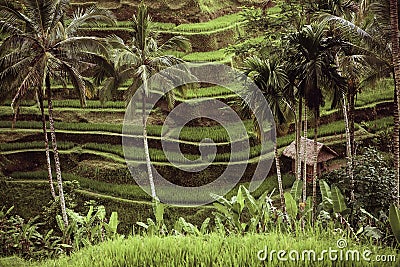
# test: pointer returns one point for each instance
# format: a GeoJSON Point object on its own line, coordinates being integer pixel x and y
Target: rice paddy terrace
{"type": "Point", "coordinates": [90, 138]}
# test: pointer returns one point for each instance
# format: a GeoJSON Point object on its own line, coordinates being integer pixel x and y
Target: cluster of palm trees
{"type": "Point", "coordinates": [351, 44]}
{"type": "Point", "coordinates": [40, 48]}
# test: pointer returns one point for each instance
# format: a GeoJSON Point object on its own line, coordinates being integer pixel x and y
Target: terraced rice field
{"type": "Point", "coordinates": [90, 138]}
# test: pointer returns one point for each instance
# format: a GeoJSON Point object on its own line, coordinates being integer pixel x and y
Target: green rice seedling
{"type": "Point", "coordinates": [220, 23]}
{"type": "Point", "coordinates": [211, 91]}
{"type": "Point", "coordinates": [379, 124]}
{"type": "Point", "coordinates": [211, 56]}
{"type": "Point", "coordinates": [127, 191]}
{"type": "Point", "coordinates": [89, 104]}
{"type": "Point", "coordinates": [33, 145]}
{"type": "Point", "coordinates": [215, 24]}
{"type": "Point", "coordinates": [220, 250]}
{"type": "Point", "coordinates": [381, 91]}
{"type": "Point", "coordinates": [216, 133]}
{"type": "Point", "coordinates": [103, 127]}
{"type": "Point", "coordinates": [113, 149]}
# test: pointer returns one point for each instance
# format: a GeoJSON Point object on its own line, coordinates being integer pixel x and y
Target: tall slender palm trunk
{"type": "Point", "coordinates": [46, 144]}
{"type": "Point", "coordinates": [146, 149]}
{"type": "Point", "coordinates": [305, 156]}
{"type": "Point", "coordinates": [350, 112]}
{"type": "Point", "coordinates": [394, 21]}
{"type": "Point", "coordinates": [279, 175]}
{"type": "Point", "coordinates": [315, 167]}
{"type": "Point", "coordinates": [304, 160]}
{"type": "Point", "coordinates": [14, 121]}
{"type": "Point", "coordinates": [349, 149]}
{"type": "Point", "coordinates": [298, 140]}
{"type": "Point", "coordinates": [55, 152]}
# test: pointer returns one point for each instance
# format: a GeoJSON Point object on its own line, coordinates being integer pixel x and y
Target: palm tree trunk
{"type": "Point", "coordinates": [278, 173]}
{"type": "Point", "coordinates": [351, 110]}
{"type": "Point", "coordinates": [298, 141]}
{"type": "Point", "coordinates": [349, 151]}
{"type": "Point", "coordinates": [146, 150]}
{"type": "Point", "coordinates": [396, 64]}
{"type": "Point", "coordinates": [14, 121]}
{"type": "Point", "coordinates": [315, 169]}
{"type": "Point", "coordinates": [46, 144]}
{"type": "Point", "coordinates": [305, 156]}
{"type": "Point", "coordinates": [55, 152]}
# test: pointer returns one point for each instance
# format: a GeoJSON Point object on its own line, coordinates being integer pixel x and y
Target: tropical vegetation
{"type": "Point", "coordinates": [329, 70]}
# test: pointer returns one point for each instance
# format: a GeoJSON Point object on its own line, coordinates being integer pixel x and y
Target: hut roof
{"type": "Point", "coordinates": [324, 153]}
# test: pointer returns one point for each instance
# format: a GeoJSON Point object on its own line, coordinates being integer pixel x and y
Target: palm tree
{"type": "Point", "coordinates": [394, 26]}
{"type": "Point", "coordinates": [271, 79]}
{"type": "Point", "coordinates": [40, 47]}
{"type": "Point", "coordinates": [376, 52]}
{"type": "Point", "coordinates": [315, 61]}
{"type": "Point", "coordinates": [138, 61]}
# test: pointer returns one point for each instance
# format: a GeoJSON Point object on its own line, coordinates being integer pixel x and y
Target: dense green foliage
{"type": "Point", "coordinates": [374, 181]}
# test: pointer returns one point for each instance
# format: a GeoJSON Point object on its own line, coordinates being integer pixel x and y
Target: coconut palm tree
{"type": "Point", "coordinates": [39, 48]}
{"type": "Point", "coordinates": [137, 62]}
{"type": "Point", "coordinates": [316, 62]}
{"type": "Point", "coordinates": [270, 77]}
{"type": "Point", "coordinates": [394, 30]}
{"type": "Point", "coordinates": [375, 51]}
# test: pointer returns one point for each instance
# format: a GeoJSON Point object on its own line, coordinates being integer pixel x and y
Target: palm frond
{"type": "Point", "coordinates": [31, 80]}
{"type": "Point", "coordinates": [176, 42]}
{"type": "Point", "coordinates": [91, 16]}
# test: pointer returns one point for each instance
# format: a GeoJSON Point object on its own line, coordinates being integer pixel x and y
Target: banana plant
{"type": "Point", "coordinates": [295, 208]}
{"type": "Point", "coordinates": [394, 219]}
{"type": "Point", "coordinates": [297, 189]}
{"type": "Point", "coordinates": [291, 206]}
{"type": "Point", "coordinates": [233, 212]}
{"type": "Point", "coordinates": [89, 229]}
{"type": "Point", "coordinates": [332, 199]}
{"type": "Point", "coordinates": [183, 227]}
{"type": "Point", "coordinates": [157, 226]}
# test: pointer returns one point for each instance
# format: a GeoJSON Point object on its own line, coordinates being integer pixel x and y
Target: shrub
{"type": "Point", "coordinates": [374, 181]}
{"type": "Point", "coordinates": [18, 237]}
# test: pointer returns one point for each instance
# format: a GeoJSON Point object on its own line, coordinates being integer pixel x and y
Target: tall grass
{"type": "Point", "coordinates": [218, 250]}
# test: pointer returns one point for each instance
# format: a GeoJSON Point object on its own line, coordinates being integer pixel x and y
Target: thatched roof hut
{"type": "Point", "coordinates": [324, 152]}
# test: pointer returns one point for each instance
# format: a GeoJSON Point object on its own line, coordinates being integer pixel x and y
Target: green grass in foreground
{"type": "Point", "coordinates": [219, 250]}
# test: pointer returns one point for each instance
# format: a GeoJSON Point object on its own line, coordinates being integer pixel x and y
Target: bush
{"type": "Point", "coordinates": [21, 238]}
{"type": "Point", "coordinates": [374, 181]}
